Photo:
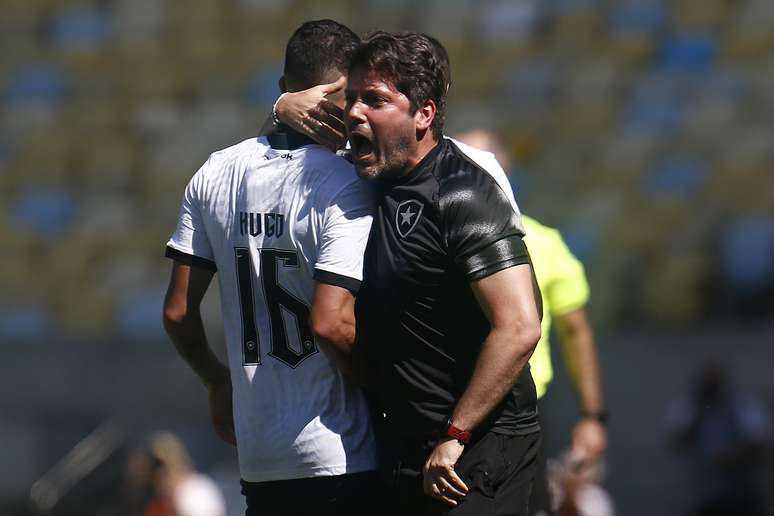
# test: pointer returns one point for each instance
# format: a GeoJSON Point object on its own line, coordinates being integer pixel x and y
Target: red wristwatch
{"type": "Point", "coordinates": [463, 436]}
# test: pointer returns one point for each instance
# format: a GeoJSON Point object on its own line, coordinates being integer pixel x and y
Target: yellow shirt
{"type": "Point", "coordinates": [563, 285]}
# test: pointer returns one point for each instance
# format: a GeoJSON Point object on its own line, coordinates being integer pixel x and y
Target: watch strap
{"type": "Point", "coordinates": [597, 415]}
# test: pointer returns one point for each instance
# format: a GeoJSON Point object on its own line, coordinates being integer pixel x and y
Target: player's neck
{"type": "Point", "coordinates": [424, 146]}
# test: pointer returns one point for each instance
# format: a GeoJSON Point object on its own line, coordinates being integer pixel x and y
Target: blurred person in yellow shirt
{"type": "Point", "coordinates": [565, 292]}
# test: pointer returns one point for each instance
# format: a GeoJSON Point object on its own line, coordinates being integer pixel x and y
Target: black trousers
{"type": "Point", "coordinates": [498, 470]}
{"type": "Point", "coordinates": [540, 499]}
{"type": "Point", "coordinates": [342, 495]}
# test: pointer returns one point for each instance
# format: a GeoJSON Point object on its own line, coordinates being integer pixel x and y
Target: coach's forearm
{"type": "Point", "coordinates": [187, 334]}
{"type": "Point", "coordinates": [503, 356]}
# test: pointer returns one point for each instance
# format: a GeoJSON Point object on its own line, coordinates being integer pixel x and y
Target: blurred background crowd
{"type": "Point", "coordinates": [642, 129]}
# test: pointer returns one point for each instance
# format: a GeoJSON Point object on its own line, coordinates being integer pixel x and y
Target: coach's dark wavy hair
{"type": "Point", "coordinates": [416, 64]}
{"type": "Point", "coordinates": [315, 49]}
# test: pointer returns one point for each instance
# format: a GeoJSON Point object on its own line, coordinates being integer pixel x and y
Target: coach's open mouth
{"type": "Point", "coordinates": [362, 148]}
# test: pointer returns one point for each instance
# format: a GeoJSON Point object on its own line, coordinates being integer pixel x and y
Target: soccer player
{"type": "Point", "coordinates": [448, 314]}
{"type": "Point", "coordinates": [284, 223]}
{"type": "Point", "coordinates": [565, 292]}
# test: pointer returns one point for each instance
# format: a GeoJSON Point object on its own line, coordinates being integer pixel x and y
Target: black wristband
{"type": "Point", "coordinates": [600, 416]}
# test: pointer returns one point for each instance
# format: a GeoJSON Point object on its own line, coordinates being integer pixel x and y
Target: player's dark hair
{"type": "Point", "coordinates": [416, 64]}
{"type": "Point", "coordinates": [315, 49]}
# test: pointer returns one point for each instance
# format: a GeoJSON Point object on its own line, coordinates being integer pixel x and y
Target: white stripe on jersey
{"type": "Point", "coordinates": [489, 163]}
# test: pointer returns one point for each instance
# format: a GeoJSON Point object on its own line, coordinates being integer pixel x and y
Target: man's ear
{"type": "Point", "coordinates": [425, 115]}
{"type": "Point", "coordinates": [281, 83]}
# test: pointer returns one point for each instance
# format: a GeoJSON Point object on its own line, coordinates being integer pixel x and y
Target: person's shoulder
{"type": "Point", "coordinates": [487, 162]}
{"type": "Point", "coordinates": [482, 158]}
{"type": "Point", "coordinates": [463, 180]}
{"type": "Point", "coordinates": [242, 149]}
{"type": "Point", "coordinates": [240, 152]}
{"type": "Point", "coordinates": [326, 162]}
{"type": "Point", "coordinates": [332, 172]}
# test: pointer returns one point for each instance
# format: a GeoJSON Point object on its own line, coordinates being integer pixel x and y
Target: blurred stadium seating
{"type": "Point", "coordinates": [640, 128]}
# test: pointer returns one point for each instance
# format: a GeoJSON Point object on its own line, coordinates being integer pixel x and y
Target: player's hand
{"type": "Point", "coordinates": [589, 440]}
{"type": "Point", "coordinates": [221, 410]}
{"type": "Point", "coordinates": [439, 478]}
{"type": "Point", "coordinates": [311, 113]}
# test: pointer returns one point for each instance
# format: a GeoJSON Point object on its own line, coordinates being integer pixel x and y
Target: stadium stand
{"type": "Point", "coordinates": [640, 126]}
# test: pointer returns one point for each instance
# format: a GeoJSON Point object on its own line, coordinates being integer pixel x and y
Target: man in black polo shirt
{"type": "Point", "coordinates": [447, 315]}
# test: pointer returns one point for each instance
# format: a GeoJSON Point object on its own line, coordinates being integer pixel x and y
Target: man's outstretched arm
{"type": "Point", "coordinates": [183, 323]}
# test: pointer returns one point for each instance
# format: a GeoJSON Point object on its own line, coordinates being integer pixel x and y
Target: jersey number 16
{"type": "Point", "coordinates": [277, 300]}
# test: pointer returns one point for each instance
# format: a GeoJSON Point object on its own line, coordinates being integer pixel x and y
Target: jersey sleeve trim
{"type": "Point", "coordinates": [500, 255]}
{"type": "Point", "coordinates": [337, 280]}
{"type": "Point", "coordinates": [190, 259]}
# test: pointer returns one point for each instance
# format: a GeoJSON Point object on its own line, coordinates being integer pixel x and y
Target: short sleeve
{"type": "Point", "coordinates": [189, 244]}
{"type": "Point", "coordinates": [345, 228]}
{"type": "Point", "coordinates": [568, 289]}
{"type": "Point", "coordinates": [483, 231]}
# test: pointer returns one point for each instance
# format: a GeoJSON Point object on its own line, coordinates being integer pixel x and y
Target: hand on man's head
{"type": "Point", "coordinates": [317, 113]}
